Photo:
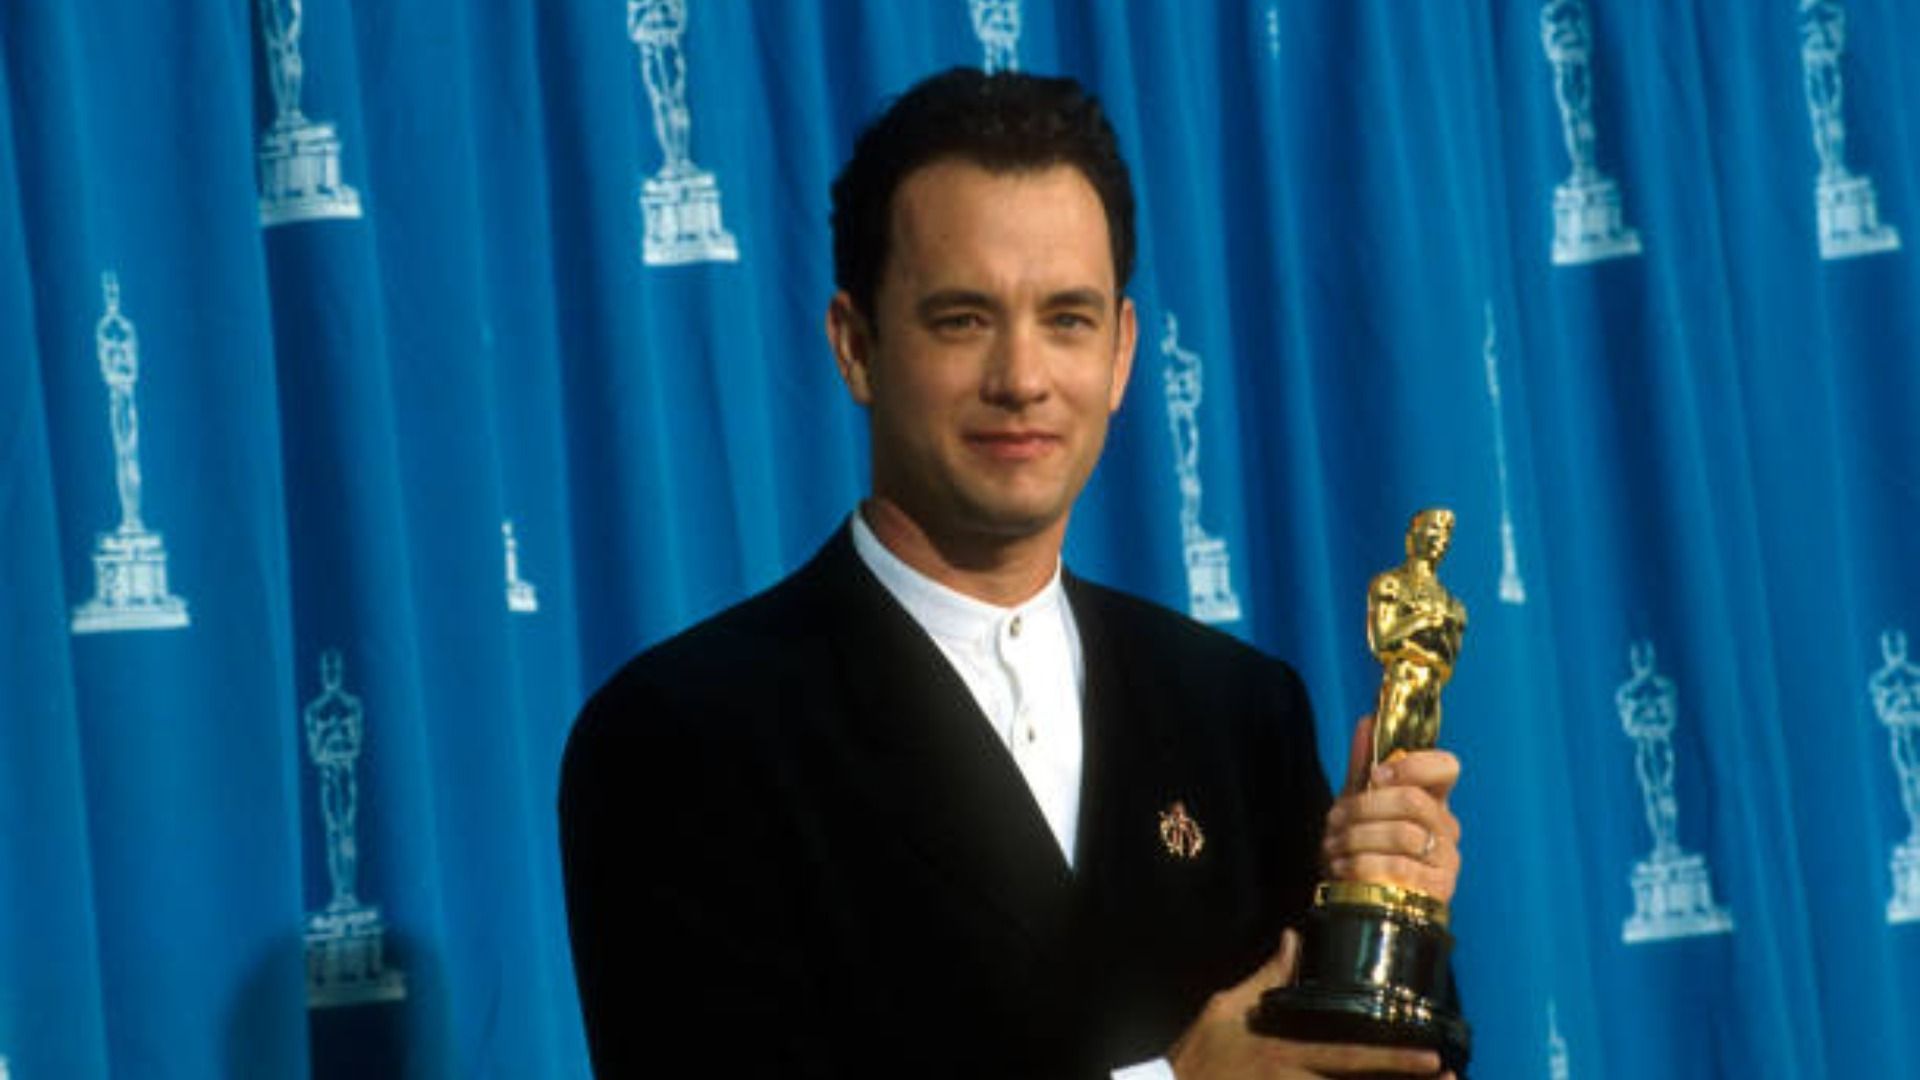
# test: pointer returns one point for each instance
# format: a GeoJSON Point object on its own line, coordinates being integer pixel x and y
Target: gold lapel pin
{"type": "Point", "coordinates": [1180, 832]}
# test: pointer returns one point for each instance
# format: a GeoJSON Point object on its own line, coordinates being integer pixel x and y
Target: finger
{"type": "Point", "coordinates": [1279, 967]}
{"type": "Point", "coordinates": [1286, 960]}
{"type": "Point", "coordinates": [1408, 838]}
{"type": "Point", "coordinates": [1436, 878]}
{"type": "Point", "coordinates": [1360, 754]}
{"type": "Point", "coordinates": [1343, 1059]}
{"type": "Point", "coordinates": [1437, 771]}
{"type": "Point", "coordinates": [1398, 854]}
{"type": "Point", "coordinates": [1277, 971]}
{"type": "Point", "coordinates": [1395, 804]}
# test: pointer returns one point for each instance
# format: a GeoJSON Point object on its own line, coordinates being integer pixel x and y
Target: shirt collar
{"type": "Point", "coordinates": [942, 611]}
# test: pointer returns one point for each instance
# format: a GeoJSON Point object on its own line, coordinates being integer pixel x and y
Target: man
{"type": "Point", "coordinates": [930, 806]}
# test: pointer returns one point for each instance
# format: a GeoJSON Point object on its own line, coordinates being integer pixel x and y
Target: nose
{"type": "Point", "coordinates": [1016, 374]}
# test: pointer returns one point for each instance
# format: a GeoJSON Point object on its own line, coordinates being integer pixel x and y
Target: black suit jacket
{"type": "Point", "coordinates": [794, 847]}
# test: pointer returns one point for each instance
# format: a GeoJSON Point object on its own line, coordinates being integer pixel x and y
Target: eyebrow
{"type": "Point", "coordinates": [947, 299]}
{"type": "Point", "coordinates": [1090, 298]}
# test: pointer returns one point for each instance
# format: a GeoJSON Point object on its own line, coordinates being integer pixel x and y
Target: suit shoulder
{"type": "Point", "coordinates": [731, 661]}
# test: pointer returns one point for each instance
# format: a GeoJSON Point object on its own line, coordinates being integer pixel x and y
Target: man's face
{"type": "Point", "coordinates": [998, 349]}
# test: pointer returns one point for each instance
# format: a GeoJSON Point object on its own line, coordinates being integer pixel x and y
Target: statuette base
{"type": "Point", "coordinates": [1673, 898]}
{"type": "Point", "coordinates": [1589, 224]}
{"type": "Point", "coordinates": [1372, 973]}
{"type": "Point", "coordinates": [344, 961]}
{"type": "Point", "coordinates": [130, 587]}
{"type": "Point", "coordinates": [1210, 582]}
{"type": "Point", "coordinates": [682, 214]}
{"type": "Point", "coordinates": [300, 174]}
{"type": "Point", "coordinates": [521, 598]}
{"type": "Point", "coordinates": [1905, 904]}
{"type": "Point", "coordinates": [1850, 225]}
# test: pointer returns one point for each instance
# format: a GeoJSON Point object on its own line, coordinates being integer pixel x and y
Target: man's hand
{"type": "Point", "coordinates": [1391, 824]}
{"type": "Point", "coordinates": [1219, 1043]}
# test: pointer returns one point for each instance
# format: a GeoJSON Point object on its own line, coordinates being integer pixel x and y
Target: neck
{"type": "Point", "coordinates": [1000, 570]}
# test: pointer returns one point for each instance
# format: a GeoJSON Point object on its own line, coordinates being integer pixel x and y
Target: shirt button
{"type": "Point", "coordinates": [1013, 627]}
{"type": "Point", "coordinates": [1032, 735]}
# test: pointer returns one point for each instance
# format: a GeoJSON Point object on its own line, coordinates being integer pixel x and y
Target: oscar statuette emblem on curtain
{"type": "Point", "coordinates": [1373, 956]}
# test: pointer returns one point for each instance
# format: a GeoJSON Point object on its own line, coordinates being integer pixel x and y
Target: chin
{"type": "Point", "coordinates": [1008, 507]}
{"type": "Point", "coordinates": [1011, 521]}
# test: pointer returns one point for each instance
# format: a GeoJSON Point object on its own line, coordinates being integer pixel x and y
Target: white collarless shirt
{"type": "Point", "coordinates": [1022, 664]}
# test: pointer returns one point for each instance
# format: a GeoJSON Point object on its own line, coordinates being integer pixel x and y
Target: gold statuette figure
{"type": "Point", "coordinates": [1373, 956]}
{"type": "Point", "coordinates": [1414, 627]}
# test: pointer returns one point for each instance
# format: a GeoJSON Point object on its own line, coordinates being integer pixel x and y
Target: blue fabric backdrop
{"type": "Point", "coordinates": [357, 418]}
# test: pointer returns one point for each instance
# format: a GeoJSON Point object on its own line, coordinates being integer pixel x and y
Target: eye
{"type": "Point", "coordinates": [1071, 320]}
{"type": "Point", "coordinates": [959, 322]}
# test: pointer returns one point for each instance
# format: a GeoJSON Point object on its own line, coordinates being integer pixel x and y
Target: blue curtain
{"type": "Point", "coordinates": [375, 377]}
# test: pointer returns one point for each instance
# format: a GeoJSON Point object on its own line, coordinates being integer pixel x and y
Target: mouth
{"type": "Point", "coordinates": [1012, 445]}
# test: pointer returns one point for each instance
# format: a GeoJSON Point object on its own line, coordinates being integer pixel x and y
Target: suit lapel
{"type": "Point", "coordinates": [1153, 912]}
{"type": "Point", "coordinates": [1100, 704]}
{"type": "Point", "coordinates": [938, 772]}
{"type": "Point", "coordinates": [1128, 743]}
{"type": "Point", "coordinates": [1138, 771]}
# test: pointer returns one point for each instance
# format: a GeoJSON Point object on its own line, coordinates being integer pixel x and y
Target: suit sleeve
{"type": "Point", "coordinates": [683, 949]}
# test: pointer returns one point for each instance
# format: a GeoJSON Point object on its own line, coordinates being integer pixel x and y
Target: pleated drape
{"type": "Point", "coordinates": [376, 377]}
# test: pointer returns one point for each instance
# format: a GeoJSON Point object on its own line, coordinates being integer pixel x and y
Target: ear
{"type": "Point", "coordinates": [1125, 340]}
{"type": "Point", "coordinates": [852, 340]}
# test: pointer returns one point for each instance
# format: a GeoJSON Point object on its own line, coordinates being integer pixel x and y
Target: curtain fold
{"type": "Point", "coordinates": [376, 378]}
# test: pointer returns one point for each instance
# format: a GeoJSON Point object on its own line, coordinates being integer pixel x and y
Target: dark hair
{"type": "Point", "coordinates": [1004, 122]}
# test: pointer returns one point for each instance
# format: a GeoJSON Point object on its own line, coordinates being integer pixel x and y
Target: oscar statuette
{"type": "Point", "coordinates": [1373, 956]}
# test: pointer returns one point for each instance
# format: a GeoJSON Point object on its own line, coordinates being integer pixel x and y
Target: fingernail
{"type": "Point", "coordinates": [1340, 867]}
{"type": "Point", "coordinates": [1383, 774]}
